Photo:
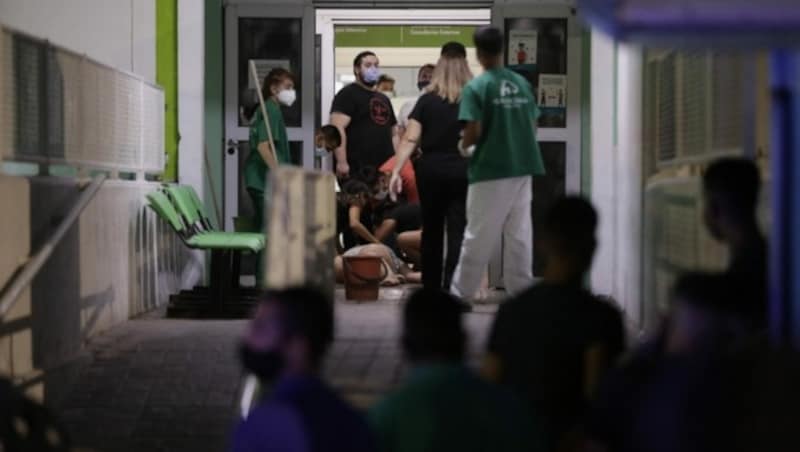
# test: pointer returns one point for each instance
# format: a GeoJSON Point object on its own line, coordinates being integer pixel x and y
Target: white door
{"type": "Point", "coordinates": [273, 36]}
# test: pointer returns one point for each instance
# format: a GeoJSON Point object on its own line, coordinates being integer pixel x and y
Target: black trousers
{"type": "Point", "coordinates": [442, 185]}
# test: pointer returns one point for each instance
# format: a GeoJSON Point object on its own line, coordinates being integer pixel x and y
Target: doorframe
{"type": "Point", "coordinates": [232, 130]}
{"type": "Point", "coordinates": [328, 19]}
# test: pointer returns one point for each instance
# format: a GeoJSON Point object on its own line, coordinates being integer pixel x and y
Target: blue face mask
{"type": "Point", "coordinates": [371, 75]}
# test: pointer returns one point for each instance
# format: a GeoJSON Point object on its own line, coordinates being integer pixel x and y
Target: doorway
{"type": "Point", "coordinates": [543, 43]}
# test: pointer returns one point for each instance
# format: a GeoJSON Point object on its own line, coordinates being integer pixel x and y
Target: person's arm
{"type": "Point", "coordinates": [397, 135]}
{"type": "Point", "coordinates": [341, 121]}
{"type": "Point", "coordinates": [268, 154]}
{"type": "Point", "coordinates": [407, 147]}
{"type": "Point", "coordinates": [470, 112]}
{"type": "Point", "coordinates": [357, 227]}
{"type": "Point", "coordinates": [472, 134]}
{"type": "Point", "coordinates": [385, 229]}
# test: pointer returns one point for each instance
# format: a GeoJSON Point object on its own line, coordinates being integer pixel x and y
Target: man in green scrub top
{"type": "Point", "coordinates": [499, 113]}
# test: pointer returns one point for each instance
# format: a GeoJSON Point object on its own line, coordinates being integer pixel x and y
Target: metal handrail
{"type": "Point", "coordinates": [24, 276]}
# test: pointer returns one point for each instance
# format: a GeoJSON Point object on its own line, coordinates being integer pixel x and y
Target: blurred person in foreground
{"type": "Point", "coordinates": [444, 406]}
{"type": "Point", "coordinates": [285, 345]}
{"type": "Point", "coordinates": [553, 342]}
{"type": "Point", "coordinates": [683, 391]}
{"type": "Point", "coordinates": [731, 189]}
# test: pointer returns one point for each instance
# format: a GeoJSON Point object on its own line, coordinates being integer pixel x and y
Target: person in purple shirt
{"type": "Point", "coordinates": [285, 345]}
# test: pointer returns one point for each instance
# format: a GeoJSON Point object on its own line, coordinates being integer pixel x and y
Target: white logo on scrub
{"type": "Point", "coordinates": [508, 96]}
{"type": "Point", "coordinates": [508, 89]}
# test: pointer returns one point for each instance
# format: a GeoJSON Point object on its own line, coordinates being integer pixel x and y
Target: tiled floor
{"type": "Point", "coordinates": [172, 385]}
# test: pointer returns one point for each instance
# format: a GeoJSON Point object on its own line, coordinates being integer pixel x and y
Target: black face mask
{"type": "Point", "coordinates": [422, 85]}
{"type": "Point", "coordinates": [266, 365]}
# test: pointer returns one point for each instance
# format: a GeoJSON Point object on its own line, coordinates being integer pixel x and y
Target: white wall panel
{"type": "Point", "coordinates": [120, 33]}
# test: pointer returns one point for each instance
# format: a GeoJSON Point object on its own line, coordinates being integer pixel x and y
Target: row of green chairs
{"type": "Point", "coordinates": [182, 209]}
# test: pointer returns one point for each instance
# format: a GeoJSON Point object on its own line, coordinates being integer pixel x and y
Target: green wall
{"type": "Point", "coordinates": [214, 111]}
{"type": "Point", "coordinates": [167, 77]}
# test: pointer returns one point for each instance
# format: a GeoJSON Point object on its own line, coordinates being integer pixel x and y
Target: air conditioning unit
{"type": "Point", "coordinates": [737, 23]}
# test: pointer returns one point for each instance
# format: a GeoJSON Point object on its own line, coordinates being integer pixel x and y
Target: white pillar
{"type": "Point", "coordinates": [617, 172]}
{"type": "Point", "coordinates": [603, 157]}
{"type": "Point", "coordinates": [191, 73]}
{"type": "Point", "coordinates": [191, 97]}
{"type": "Point", "coordinates": [629, 222]}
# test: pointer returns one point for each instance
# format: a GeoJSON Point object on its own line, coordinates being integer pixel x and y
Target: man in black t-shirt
{"type": "Point", "coordinates": [553, 342]}
{"type": "Point", "coordinates": [365, 119]}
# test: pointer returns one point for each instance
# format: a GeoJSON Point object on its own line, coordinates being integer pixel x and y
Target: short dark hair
{"type": "Point", "coordinates": [426, 67]}
{"type": "Point", "coordinates": [369, 175]}
{"type": "Point", "coordinates": [454, 49]}
{"type": "Point", "coordinates": [488, 41]}
{"type": "Point", "coordinates": [274, 77]}
{"type": "Point", "coordinates": [331, 134]}
{"type": "Point", "coordinates": [385, 78]}
{"type": "Point", "coordinates": [360, 57]}
{"type": "Point", "coordinates": [736, 183]}
{"type": "Point", "coordinates": [571, 222]}
{"type": "Point", "coordinates": [305, 312]}
{"type": "Point", "coordinates": [432, 328]}
{"type": "Point", "coordinates": [355, 187]}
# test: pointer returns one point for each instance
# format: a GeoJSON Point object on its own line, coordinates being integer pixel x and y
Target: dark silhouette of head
{"type": "Point", "coordinates": [290, 333]}
{"type": "Point", "coordinates": [569, 239]}
{"type": "Point", "coordinates": [731, 188]}
{"type": "Point", "coordinates": [432, 329]}
{"type": "Point", "coordinates": [489, 46]}
{"type": "Point", "coordinates": [454, 49]}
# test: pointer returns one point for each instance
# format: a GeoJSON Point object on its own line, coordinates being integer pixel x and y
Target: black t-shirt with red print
{"type": "Point", "coordinates": [369, 135]}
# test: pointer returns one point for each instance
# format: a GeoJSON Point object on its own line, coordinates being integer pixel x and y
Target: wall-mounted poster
{"type": "Point", "coordinates": [552, 90]}
{"type": "Point", "coordinates": [544, 49]}
{"type": "Point", "coordinates": [522, 47]}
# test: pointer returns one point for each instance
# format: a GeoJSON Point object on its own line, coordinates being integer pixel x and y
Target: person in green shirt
{"type": "Point", "coordinates": [499, 112]}
{"type": "Point", "coordinates": [444, 406]}
{"type": "Point", "coordinates": [278, 90]}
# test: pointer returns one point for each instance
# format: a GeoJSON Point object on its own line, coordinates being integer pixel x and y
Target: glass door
{"type": "Point", "coordinates": [271, 36]}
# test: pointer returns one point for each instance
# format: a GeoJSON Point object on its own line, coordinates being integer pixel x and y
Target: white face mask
{"type": "Point", "coordinates": [389, 94]}
{"type": "Point", "coordinates": [287, 97]}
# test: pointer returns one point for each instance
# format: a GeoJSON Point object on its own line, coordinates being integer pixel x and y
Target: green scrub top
{"type": "Point", "coordinates": [255, 168]}
{"type": "Point", "coordinates": [502, 101]}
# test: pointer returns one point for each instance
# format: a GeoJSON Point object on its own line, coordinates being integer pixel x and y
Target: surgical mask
{"type": "Point", "coordinates": [389, 94]}
{"type": "Point", "coordinates": [381, 195]}
{"type": "Point", "coordinates": [287, 97]}
{"type": "Point", "coordinates": [266, 365]}
{"type": "Point", "coordinates": [371, 75]}
{"type": "Point", "coordinates": [423, 85]}
{"type": "Point", "coordinates": [321, 152]}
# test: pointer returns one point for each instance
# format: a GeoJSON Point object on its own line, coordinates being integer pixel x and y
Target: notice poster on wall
{"type": "Point", "coordinates": [522, 47]}
{"type": "Point", "coordinates": [263, 67]}
{"type": "Point", "coordinates": [552, 91]}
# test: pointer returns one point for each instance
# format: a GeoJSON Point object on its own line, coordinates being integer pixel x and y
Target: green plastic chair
{"type": "Point", "coordinates": [181, 209]}
{"type": "Point", "coordinates": [187, 204]}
